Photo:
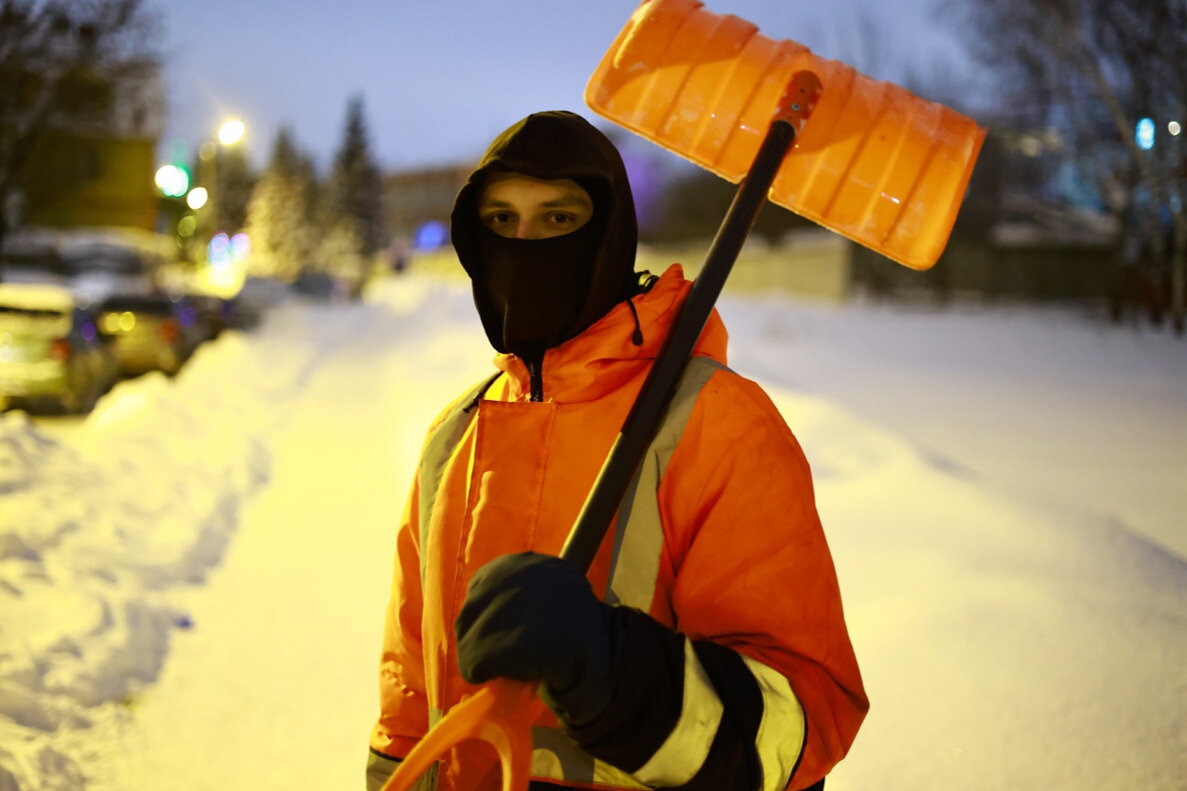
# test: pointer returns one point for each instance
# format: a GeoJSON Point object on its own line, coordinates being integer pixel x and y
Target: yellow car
{"type": "Point", "coordinates": [52, 355]}
{"type": "Point", "coordinates": [150, 333]}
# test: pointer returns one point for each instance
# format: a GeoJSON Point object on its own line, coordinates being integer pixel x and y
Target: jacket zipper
{"type": "Point", "coordinates": [536, 379]}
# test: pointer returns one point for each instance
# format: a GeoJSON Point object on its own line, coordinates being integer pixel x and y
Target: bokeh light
{"type": "Point", "coordinates": [430, 235]}
{"type": "Point", "coordinates": [1144, 134]}
{"type": "Point", "coordinates": [240, 246]}
{"type": "Point", "coordinates": [172, 180]}
{"type": "Point", "coordinates": [197, 198]}
{"type": "Point", "coordinates": [218, 252]}
{"type": "Point", "coordinates": [231, 132]}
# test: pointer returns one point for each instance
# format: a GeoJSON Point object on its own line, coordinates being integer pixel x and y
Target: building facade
{"type": "Point", "coordinates": [95, 165]}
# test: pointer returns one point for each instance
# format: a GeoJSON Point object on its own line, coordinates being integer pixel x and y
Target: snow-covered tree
{"type": "Point", "coordinates": [281, 219]}
{"type": "Point", "coordinates": [339, 253]}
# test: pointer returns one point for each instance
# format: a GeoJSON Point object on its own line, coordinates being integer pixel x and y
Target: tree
{"type": "Point", "coordinates": [47, 49]}
{"type": "Point", "coordinates": [1092, 69]}
{"type": "Point", "coordinates": [281, 215]}
{"type": "Point", "coordinates": [355, 190]}
{"type": "Point", "coordinates": [693, 205]}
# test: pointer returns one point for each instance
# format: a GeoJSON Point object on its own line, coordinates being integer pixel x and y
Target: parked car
{"type": "Point", "coordinates": [150, 332]}
{"type": "Point", "coordinates": [101, 270]}
{"type": "Point", "coordinates": [51, 352]}
{"type": "Point", "coordinates": [216, 314]}
{"type": "Point", "coordinates": [263, 293]}
{"type": "Point", "coordinates": [33, 264]}
{"type": "Point", "coordinates": [320, 286]}
{"type": "Point", "coordinates": [94, 269]}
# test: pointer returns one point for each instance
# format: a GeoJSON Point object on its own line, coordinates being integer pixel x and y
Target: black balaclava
{"type": "Point", "coordinates": [534, 294]}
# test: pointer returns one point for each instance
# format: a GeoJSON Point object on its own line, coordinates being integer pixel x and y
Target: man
{"type": "Point", "coordinates": [707, 649]}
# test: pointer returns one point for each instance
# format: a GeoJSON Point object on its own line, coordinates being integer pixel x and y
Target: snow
{"type": "Point", "coordinates": [192, 579]}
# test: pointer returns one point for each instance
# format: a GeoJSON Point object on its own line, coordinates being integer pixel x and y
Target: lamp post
{"type": "Point", "coordinates": [230, 133]}
{"type": "Point", "coordinates": [225, 250]}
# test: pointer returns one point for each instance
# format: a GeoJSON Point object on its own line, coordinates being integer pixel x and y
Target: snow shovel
{"type": "Point", "coordinates": [877, 164]}
{"type": "Point", "coordinates": [501, 712]}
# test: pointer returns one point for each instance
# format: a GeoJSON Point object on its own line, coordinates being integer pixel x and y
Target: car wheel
{"type": "Point", "coordinates": [70, 403]}
{"type": "Point", "coordinates": [87, 403]}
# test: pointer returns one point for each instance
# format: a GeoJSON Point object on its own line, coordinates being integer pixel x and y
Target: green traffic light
{"type": "Point", "coordinates": [173, 180]}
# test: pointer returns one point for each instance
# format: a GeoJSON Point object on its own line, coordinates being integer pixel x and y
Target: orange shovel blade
{"type": "Point", "coordinates": [875, 163]}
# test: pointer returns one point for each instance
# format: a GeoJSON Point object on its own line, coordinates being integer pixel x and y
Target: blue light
{"type": "Point", "coordinates": [218, 252]}
{"type": "Point", "coordinates": [1145, 134]}
{"type": "Point", "coordinates": [430, 235]}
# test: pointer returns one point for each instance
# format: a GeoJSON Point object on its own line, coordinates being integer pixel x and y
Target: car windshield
{"type": "Point", "coordinates": [42, 261]}
{"type": "Point", "coordinates": [146, 305]}
{"type": "Point", "coordinates": [116, 261]}
{"type": "Point", "coordinates": [21, 320]}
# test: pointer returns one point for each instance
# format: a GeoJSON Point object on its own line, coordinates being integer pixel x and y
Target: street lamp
{"type": "Point", "coordinates": [225, 253]}
{"type": "Point", "coordinates": [230, 133]}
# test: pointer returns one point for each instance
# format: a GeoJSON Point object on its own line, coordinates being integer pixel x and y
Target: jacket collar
{"type": "Point", "coordinates": [604, 357]}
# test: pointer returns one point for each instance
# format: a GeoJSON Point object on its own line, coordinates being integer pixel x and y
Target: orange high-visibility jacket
{"type": "Point", "coordinates": [741, 559]}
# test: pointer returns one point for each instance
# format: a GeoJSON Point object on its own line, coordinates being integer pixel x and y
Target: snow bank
{"type": "Point", "coordinates": [99, 533]}
{"type": "Point", "coordinates": [1003, 644]}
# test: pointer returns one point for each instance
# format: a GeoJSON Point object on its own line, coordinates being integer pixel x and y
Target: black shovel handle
{"type": "Point", "coordinates": [643, 420]}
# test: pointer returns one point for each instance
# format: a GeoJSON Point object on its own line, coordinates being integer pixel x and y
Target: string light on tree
{"type": "Point", "coordinates": [1144, 134]}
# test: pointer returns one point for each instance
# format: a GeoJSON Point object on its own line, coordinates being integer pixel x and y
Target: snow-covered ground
{"type": "Point", "coordinates": [192, 578]}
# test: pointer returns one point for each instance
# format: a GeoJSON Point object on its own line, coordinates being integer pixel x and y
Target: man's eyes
{"type": "Point", "coordinates": [551, 222]}
{"type": "Point", "coordinates": [498, 218]}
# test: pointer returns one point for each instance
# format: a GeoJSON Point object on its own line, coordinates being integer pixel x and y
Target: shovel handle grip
{"type": "Point", "coordinates": [501, 713]}
{"type": "Point", "coordinates": [798, 100]}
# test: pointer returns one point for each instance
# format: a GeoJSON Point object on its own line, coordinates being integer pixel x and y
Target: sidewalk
{"type": "Point", "coordinates": [275, 684]}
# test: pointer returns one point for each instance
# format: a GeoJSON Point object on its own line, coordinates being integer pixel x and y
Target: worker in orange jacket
{"type": "Point", "coordinates": [707, 647]}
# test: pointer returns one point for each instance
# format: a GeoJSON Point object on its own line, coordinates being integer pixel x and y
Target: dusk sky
{"type": "Point", "coordinates": [439, 78]}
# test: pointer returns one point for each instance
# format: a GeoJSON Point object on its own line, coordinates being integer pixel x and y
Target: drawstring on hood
{"type": "Point", "coordinates": [534, 294]}
{"type": "Point", "coordinates": [637, 335]}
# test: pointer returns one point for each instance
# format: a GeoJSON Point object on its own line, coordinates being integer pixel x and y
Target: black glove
{"type": "Point", "coordinates": [534, 617]}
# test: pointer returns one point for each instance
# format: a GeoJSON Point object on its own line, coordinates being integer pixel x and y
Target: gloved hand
{"type": "Point", "coordinates": [534, 617]}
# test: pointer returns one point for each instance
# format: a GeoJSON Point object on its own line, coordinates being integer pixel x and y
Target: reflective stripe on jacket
{"type": "Point", "coordinates": [719, 539]}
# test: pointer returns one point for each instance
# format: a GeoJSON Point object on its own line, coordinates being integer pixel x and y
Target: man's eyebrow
{"type": "Point", "coordinates": [556, 203]}
{"type": "Point", "coordinates": [568, 200]}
